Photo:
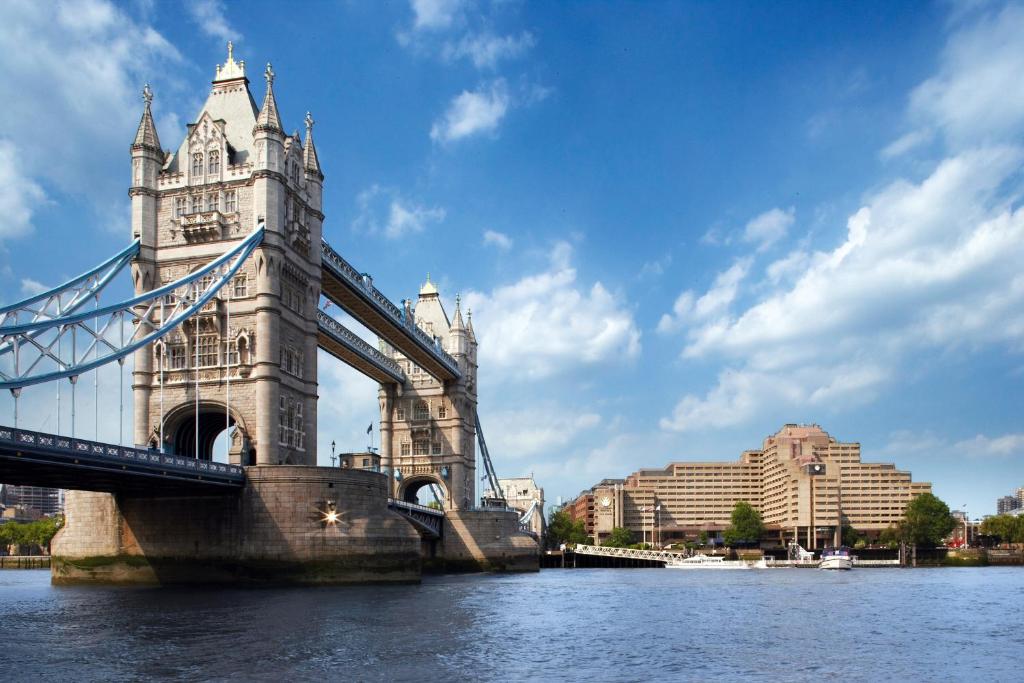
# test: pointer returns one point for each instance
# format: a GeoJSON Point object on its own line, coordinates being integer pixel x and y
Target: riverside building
{"type": "Point", "coordinates": [805, 484]}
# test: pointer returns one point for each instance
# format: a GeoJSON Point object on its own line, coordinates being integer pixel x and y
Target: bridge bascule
{"type": "Point", "coordinates": [229, 268]}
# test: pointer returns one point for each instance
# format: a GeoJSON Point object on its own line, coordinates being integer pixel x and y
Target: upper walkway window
{"type": "Point", "coordinates": [197, 164]}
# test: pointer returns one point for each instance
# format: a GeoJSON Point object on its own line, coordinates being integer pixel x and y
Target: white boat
{"type": "Point", "coordinates": [836, 558]}
{"type": "Point", "coordinates": [711, 562]}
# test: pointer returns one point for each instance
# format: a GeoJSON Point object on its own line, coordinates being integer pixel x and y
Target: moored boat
{"type": "Point", "coordinates": [836, 558]}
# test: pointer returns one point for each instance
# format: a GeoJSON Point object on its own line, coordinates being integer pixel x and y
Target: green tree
{"type": "Point", "coordinates": [561, 528]}
{"type": "Point", "coordinates": [851, 536]}
{"type": "Point", "coordinates": [927, 521]}
{"type": "Point", "coordinates": [703, 538]}
{"type": "Point", "coordinates": [746, 525]}
{"type": "Point", "coordinates": [620, 537]}
{"type": "Point", "coordinates": [890, 537]}
{"type": "Point", "coordinates": [37, 533]}
{"type": "Point", "coordinates": [1008, 528]}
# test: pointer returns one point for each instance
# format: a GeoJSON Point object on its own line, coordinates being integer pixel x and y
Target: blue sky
{"type": "Point", "coordinates": [679, 226]}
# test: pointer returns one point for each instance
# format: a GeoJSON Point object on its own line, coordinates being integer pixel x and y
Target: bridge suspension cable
{"type": "Point", "coordinates": [492, 476]}
{"type": "Point", "coordinates": [38, 347]}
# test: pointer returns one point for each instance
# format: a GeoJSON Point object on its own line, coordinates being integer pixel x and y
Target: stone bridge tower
{"type": "Point", "coordinates": [249, 358]}
{"type": "Point", "coordinates": [428, 427]}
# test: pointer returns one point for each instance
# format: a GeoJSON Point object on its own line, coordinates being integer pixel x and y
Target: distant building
{"type": "Point", "coordinates": [44, 501]}
{"type": "Point", "coordinates": [1007, 504]}
{"type": "Point", "coordinates": [523, 494]}
{"type": "Point", "coordinates": [1020, 497]}
{"type": "Point", "coordinates": [804, 482]}
{"type": "Point", "coordinates": [366, 460]}
{"type": "Point", "coordinates": [583, 509]}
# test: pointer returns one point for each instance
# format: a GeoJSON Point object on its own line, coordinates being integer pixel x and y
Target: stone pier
{"type": "Point", "coordinates": [274, 532]}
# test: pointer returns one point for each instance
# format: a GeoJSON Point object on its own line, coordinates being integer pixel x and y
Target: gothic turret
{"type": "Point", "coordinates": [268, 120]}
{"type": "Point", "coordinates": [458, 342]}
{"type": "Point", "coordinates": [309, 158]}
{"type": "Point", "coordinates": [147, 160]}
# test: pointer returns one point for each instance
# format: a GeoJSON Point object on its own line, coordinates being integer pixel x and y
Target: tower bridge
{"type": "Point", "coordinates": [229, 263]}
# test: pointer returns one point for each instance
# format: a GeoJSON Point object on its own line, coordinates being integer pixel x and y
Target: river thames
{"type": "Point", "coordinates": [592, 624]}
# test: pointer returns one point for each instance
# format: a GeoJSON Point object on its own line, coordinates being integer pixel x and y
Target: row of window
{"type": "Point", "coordinates": [205, 353]}
{"type": "Point", "coordinates": [293, 428]}
{"type": "Point", "coordinates": [420, 448]}
{"type": "Point", "coordinates": [194, 203]}
{"type": "Point", "coordinates": [421, 411]}
{"type": "Point", "coordinates": [291, 360]}
{"type": "Point", "coordinates": [212, 163]}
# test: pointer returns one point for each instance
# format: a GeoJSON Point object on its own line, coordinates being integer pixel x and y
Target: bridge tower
{"type": "Point", "coordinates": [249, 359]}
{"type": "Point", "coordinates": [428, 430]}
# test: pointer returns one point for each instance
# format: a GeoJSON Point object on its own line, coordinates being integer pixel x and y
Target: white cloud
{"type": "Point", "coordinates": [907, 142]}
{"type": "Point", "coordinates": [497, 239]}
{"type": "Point", "coordinates": [714, 302]}
{"type": "Point", "coordinates": [485, 49]}
{"type": "Point", "coordinates": [903, 442]}
{"type": "Point", "coordinates": [471, 113]}
{"type": "Point", "coordinates": [347, 404]}
{"type": "Point", "coordinates": [927, 267]}
{"type": "Point", "coordinates": [548, 323]}
{"type": "Point", "coordinates": [75, 71]}
{"type": "Point", "coordinates": [431, 15]}
{"type": "Point", "coordinates": [542, 430]}
{"type": "Point", "coordinates": [30, 287]}
{"type": "Point", "coordinates": [769, 227]}
{"type": "Point", "coordinates": [19, 195]}
{"type": "Point", "coordinates": [975, 98]}
{"type": "Point", "coordinates": [655, 268]}
{"type": "Point", "coordinates": [211, 18]}
{"type": "Point", "coordinates": [383, 210]}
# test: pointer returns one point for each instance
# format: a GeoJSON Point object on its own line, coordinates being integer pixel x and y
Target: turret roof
{"type": "Point", "coordinates": [146, 136]}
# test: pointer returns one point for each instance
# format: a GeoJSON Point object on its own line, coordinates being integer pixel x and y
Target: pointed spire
{"type": "Point", "coordinates": [428, 288]}
{"type": "Point", "coordinates": [457, 324]}
{"type": "Point", "coordinates": [146, 137]}
{"type": "Point", "coordinates": [268, 118]}
{"type": "Point", "coordinates": [469, 326]}
{"type": "Point", "coordinates": [309, 157]}
{"type": "Point", "coordinates": [231, 70]}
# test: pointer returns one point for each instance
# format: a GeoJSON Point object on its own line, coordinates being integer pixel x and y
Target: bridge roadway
{"type": "Point", "coordinates": [36, 459]}
{"type": "Point", "coordinates": [354, 292]}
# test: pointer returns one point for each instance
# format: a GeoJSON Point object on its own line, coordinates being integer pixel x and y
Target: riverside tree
{"type": "Point", "coordinates": [561, 528]}
{"type": "Point", "coordinates": [1008, 528]}
{"type": "Point", "coordinates": [38, 533]}
{"type": "Point", "coordinates": [927, 521]}
{"type": "Point", "coordinates": [620, 537]}
{"type": "Point", "coordinates": [745, 525]}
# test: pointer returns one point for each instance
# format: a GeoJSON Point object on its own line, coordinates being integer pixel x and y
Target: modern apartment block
{"type": "Point", "coordinates": [1007, 504]}
{"type": "Point", "coordinates": [44, 501]}
{"type": "Point", "coordinates": [805, 483]}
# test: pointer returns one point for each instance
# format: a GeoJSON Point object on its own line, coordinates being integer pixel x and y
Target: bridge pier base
{"type": "Point", "coordinates": [484, 540]}
{"type": "Point", "coordinates": [289, 525]}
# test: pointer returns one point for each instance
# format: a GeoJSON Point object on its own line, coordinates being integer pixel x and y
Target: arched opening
{"type": "Point", "coordinates": [217, 434]}
{"type": "Point", "coordinates": [424, 491]}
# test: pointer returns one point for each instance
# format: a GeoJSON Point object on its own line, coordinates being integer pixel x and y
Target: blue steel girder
{"type": "Point", "coordinates": [355, 293]}
{"type": "Point", "coordinates": [111, 333]}
{"type": "Point", "coordinates": [347, 346]}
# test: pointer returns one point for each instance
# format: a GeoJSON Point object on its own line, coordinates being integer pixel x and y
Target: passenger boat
{"type": "Point", "coordinates": [836, 558]}
{"type": "Point", "coordinates": [710, 562]}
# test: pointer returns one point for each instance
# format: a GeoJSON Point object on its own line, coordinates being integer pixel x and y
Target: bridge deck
{"type": "Point", "coordinates": [354, 292]}
{"type": "Point", "coordinates": [428, 521]}
{"type": "Point", "coordinates": [30, 458]}
{"type": "Point", "coordinates": [346, 346]}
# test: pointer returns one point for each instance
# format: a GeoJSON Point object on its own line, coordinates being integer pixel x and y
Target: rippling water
{"type": "Point", "coordinates": [594, 624]}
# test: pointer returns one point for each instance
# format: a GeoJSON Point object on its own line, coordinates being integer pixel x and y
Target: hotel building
{"type": "Point", "coordinates": [805, 484]}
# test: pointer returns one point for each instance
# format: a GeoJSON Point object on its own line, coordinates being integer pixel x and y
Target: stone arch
{"type": "Point", "coordinates": [409, 488]}
{"type": "Point", "coordinates": [180, 430]}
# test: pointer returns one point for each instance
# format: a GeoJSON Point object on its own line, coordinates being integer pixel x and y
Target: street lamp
{"type": "Point", "coordinates": [965, 525]}
{"type": "Point", "coordinates": [332, 453]}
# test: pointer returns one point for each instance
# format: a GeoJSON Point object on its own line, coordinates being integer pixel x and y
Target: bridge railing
{"type": "Point", "coordinates": [363, 282]}
{"type": "Point", "coordinates": [360, 346]}
{"type": "Point", "coordinates": [14, 438]}
{"type": "Point", "coordinates": [415, 507]}
{"type": "Point", "coordinates": [631, 553]}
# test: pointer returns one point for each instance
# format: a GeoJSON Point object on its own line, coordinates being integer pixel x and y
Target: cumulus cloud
{"type": "Point", "coordinates": [75, 70]}
{"type": "Point", "coordinates": [347, 404]}
{"type": "Point", "coordinates": [473, 112]}
{"type": "Point", "coordinates": [497, 239]}
{"type": "Point", "coordinates": [688, 307]}
{"type": "Point", "coordinates": [542, 430]}
{"type": "Point", "coordinates": [384, 211]}
{"type": "Point", "coordinates": [30, 287]}
{"type": "Point", "coordinates": [549, 323]}
{"type": "Point", "coordinates": [769, 227]}
{"type": "Point", "coordinates": [486, 49]}
{"type": "Point", "coordinates": [432, 15]}
{"type": "Point", "coordinates": [211, 18]}
{"type": "Point", "coordinates": [19, 195]}
{"type": "Point", "coordinates": [925, 267]}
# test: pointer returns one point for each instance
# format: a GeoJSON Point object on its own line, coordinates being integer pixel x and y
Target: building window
{"type": "Point", "coordinates": [197, 164]}
{"type": "Point", "coordinates": [291, 297]}
{"type": "Point", "coordinates": [437, 448]}
{"type": "Point", "coordinates": [400, 415]}
{"type": "Point", "coordinates": [197, 203]}
{"type": "Point", "coordinates": [291, 360]}
{"type": "Point", "coordinates": [422, 411]}
{"type": "Point", "coordinates": [212, 201]}
{"type": "Point", "coordinates": [366, 462]}
{"type": "Point", "coordinates": [406, 448]}
{"type": "Point", "coordinates": [207, 351]}
{"type": "Point", "coordinates": [230, 201]}
{"type": "Point", "coordinates": [180, 206]}
{"type": "Point", "coordinates": [293, 429]}
{"type": "Point", "coordinates": [231, 352]}
{"type": "Point", "coordinates": [442, 411]}
{"type": "Point", "coordinates": [214, 163]}
{"type": "Point", "coordinates": [421, 447]}
{"type": "Point", "coordinates": [176, 356]}
{"type": "Point", "coordinates": [204, 283]}
{"type": "Point", "coordinates": [241, 286]}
